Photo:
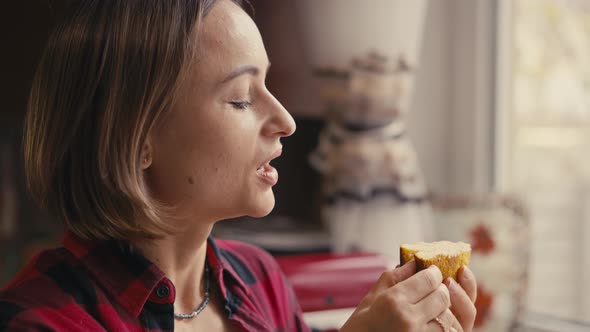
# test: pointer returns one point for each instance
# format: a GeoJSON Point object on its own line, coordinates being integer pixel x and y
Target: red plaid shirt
{"type": "Point", "coordinates": [101, 286]}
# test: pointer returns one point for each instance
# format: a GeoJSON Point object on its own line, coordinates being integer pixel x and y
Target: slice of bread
{"type": "Point", "coordinates": [448, 256]}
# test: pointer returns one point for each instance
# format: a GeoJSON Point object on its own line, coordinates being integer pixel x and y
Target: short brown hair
{"type": "Point", "coordinates": [109, 71]}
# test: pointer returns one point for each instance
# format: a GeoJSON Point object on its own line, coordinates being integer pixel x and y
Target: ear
{"type": "Point", "coordinates": [146, 155]}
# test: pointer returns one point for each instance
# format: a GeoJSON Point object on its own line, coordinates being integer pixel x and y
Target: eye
{"type": "Point", "coordinates": [241, 105]}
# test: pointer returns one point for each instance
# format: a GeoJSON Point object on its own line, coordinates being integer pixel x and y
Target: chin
{"type": "Point", "coordinates": [262, 206]}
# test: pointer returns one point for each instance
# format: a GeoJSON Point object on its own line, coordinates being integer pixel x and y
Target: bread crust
{"type": "Point", "coordinates": [449, 257]}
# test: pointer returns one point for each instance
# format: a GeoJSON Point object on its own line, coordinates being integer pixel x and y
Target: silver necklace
{"type": "Point", "coordinates": [205, 300]}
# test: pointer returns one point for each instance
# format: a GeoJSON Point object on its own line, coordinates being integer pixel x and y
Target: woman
{"type": "Point", "coordinates": [149, 121]}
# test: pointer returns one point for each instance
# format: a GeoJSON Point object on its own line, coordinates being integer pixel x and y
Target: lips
{"type": "Point", "coordinates": [266, 172]}
{"type": "Point", "coordinates": [267, 162]}
{"type": "Point", "coordinates": [264, 169]}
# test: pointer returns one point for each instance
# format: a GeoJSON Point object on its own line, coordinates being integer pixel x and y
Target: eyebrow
{"type": "Point", "coordinates": [242, 70]}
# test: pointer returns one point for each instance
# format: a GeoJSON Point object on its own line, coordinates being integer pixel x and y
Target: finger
{"type": "Point", "coordinates": [461, 304]}
{"type": "Point", "coordinates": [421, 284]}
{"type": "Point", "coordinates": [391, 278]}
{"type": "Point", "coordinates": [468, 281]}
{"type": "Point", "coordinates": [432, 305]}
{"type": "Point", "coordinates": [444, 322]}
{"type": "Point", "coordinates": [455, 325]}
{"type": "Point", "coordinates": [402, 273]}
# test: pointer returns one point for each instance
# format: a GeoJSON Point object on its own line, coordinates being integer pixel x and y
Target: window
{"type": "Point", "coordinates": [543, 135]}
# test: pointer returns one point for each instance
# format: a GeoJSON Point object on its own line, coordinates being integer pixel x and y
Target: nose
{"type": "Point", "coordinates": [281, 123]}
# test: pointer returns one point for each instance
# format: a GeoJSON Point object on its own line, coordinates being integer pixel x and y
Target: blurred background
{"type": "Point", "coordinates": [494, 111]}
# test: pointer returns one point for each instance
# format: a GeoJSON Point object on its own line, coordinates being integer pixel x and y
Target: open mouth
{"type": "Point", "coordinates": [267, 173]}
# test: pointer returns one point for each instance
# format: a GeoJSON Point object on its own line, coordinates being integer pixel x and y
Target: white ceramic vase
{"type": "Point", "coordinates": [334, 33]}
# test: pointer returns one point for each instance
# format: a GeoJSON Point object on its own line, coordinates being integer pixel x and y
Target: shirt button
{"type": "Point", "coordinates": [163, 291]}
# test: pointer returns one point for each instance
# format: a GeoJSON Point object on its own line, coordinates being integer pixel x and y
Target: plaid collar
{"type": "Point", "coordinates": [131, 279]}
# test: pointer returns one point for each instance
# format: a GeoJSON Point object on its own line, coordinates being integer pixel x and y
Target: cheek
{"type": "Point", "coordinates": [218, 160]}
{"type": "Point", "coordinates": [209, 158]}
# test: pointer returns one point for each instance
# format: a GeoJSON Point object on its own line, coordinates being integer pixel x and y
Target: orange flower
{"type": "Point", "coordinates": [483, 304]}
{"type": "Point", "coordinates": [482, 241]}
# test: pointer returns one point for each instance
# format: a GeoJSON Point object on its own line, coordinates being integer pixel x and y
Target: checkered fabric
{"type": "Point", "coordinates": [104, 286]}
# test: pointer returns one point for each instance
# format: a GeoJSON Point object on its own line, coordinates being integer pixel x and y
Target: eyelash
{"type": "Point", "coordinates": [241, 105]}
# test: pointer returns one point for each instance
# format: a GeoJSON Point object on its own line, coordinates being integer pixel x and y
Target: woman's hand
{"type": "Point", "coordinates": [463, 295]}
{"type": "Point", "coordinates": [403, 300]}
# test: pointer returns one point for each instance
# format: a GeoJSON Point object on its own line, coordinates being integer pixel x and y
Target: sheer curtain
{"type": "Point", "coordinates": [547, 146]}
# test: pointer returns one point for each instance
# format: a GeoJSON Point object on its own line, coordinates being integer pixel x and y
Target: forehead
{"type": "Point", "coordinates": [228, 38]}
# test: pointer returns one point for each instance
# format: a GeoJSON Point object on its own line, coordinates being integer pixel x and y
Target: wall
{"type": "Point", "coordinates": [453, 118]}
{"type": "Point", "coordinates": [429, 120]}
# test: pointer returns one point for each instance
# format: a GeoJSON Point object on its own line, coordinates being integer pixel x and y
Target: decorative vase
{"type": "Point", "coordinates": [335, 31]}
{"type": "Point", "coordinates": [363, 54]}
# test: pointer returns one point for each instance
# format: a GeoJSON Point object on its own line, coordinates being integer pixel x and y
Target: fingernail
{"type": "Point", "coordinates": [447, 282]}
{"type": "Point", "coordinates": [450, 284]}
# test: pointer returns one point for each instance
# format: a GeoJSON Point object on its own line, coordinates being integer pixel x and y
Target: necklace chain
{"type": "Point", "coordinates": [203, 304]}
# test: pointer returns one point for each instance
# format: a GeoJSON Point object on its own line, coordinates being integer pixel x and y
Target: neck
{"type": "Point", "coordinates": [182, 259]}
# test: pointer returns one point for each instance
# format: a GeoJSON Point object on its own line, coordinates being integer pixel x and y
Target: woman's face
{"type": "Point", "coordinates": [209, 156]}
